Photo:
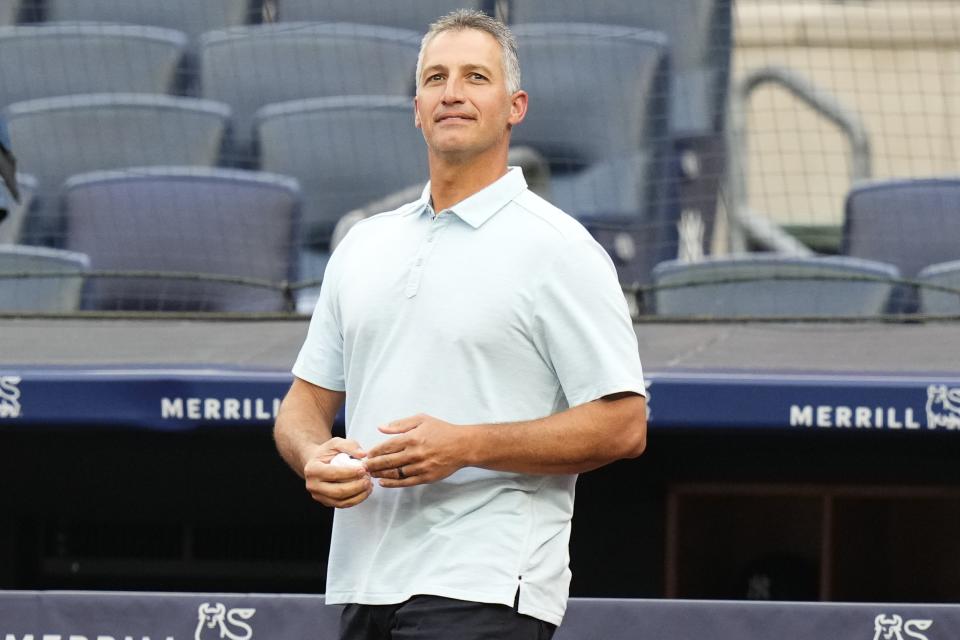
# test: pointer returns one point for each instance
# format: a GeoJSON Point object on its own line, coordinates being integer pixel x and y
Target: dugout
{"type": "Point", "coordinates": [122, 467]}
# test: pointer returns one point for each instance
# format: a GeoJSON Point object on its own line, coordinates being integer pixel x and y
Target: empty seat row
{"type": "Point", "coordinates": [223, 240]}
{"type": "Point", "coordinates": [701, 29]}
{"type": "Point", "coordinates": [770, 285]}
{"type": "Point", "coordinates": [611, 83]}
{"type": "Point", "coordinates": [194, 17]}
{"type": "Point", "coordinates": [346, 150]}
{"type": "Point", "coordinates": [247, 67]}
{"type": "Point", "coordinates": [901, 255]}
{"type": "Point", "coordinates": [748, 286]}
{"type": "Point", "coordinates": [605, 141]}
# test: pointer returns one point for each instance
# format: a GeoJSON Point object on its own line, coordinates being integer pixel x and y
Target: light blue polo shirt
{"type": "Point", "coordinates": [502, 308]}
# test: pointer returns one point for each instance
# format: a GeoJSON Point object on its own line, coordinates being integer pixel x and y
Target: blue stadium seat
{"type": "Point", "coordinates": [11, 226]}
{"type": "Point", "coordinates": [597, 113]}
{"type": "Point", "coordinates": [699, 35]}
{"type": "Point", "coordinates": [909, 223]}
{"type": "Point", "coordinates": [56, 60]}
{"type": "Point", "coordinates": [191, 17]}
{"type": "Point", "coordinates": [56, 138]}
{"type": "Point", "coordinates": [251, 67]}
{"type": "Point", "coordinates": [769, 285]}
{"type": "Point", "coordinates": [346, 152]}
{"type": "Point", "coordinates": [945, 274]}
{"type": "Point", "coordinates": [8, 11]}
{"type": "Point", "coordinates": [194, 220]}
{"type": "Point", "coordinates": [405, 14]}
{"type": "Point", "coordinates": [41, 294]}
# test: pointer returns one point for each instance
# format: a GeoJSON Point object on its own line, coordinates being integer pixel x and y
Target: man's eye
{"type": "Point", "coordinates": [435, 78]}
{"type": "Point", "coordinates": [477, 76]}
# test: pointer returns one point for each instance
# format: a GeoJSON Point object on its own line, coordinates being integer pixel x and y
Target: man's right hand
{"type": "Point", "coordinates": [335, 486]}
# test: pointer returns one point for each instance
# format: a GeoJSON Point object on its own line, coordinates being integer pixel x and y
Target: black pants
{"type": "Point", "coordinates": [437, 618]}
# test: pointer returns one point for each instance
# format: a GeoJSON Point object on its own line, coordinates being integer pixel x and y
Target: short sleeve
{"type": "Point", "coordinates": [321, 357]}
{"type": "Point", "coordinates": [582, 326]}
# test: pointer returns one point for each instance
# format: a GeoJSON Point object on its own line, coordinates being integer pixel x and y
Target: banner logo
{"type": "Point", "coordinates": [943, 407]}
{"type": "Point", "coordinates": [942, 412]}
{"type": "Point", "coordinates": [9, 396]}
{"type": "Point", "coordinates": [895, 628]}
{"type": "Point", "coordinates": [216, 622]}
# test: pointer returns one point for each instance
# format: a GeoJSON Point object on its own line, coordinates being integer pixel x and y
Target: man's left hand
{"type": "Point", "coordinates": [424, 450]}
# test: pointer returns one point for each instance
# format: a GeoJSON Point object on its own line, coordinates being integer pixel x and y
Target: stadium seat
{"type": "Point", "coordinates": [405, 14]}
{"type": "Point", "coordinates": [594, 113]}
{"type": "Point", "coordinates": [8, 11]}
{"type": "Point", "coordinates": [945, 274]}
{"type": "Point", "coordinates": [11, 226]}
{"type": "Point", "coordinates": [251, 67]}
{"type": "Point", "coordinates": [41, 294]}
{"type": "Point", "coordinates": [769, 285]}
{"type": "Point", "coordinates": [192, 17]}
{"type": "Point", "coordinates": [909, 223]}
{"type": "Point", "coordinates": [192, 220]}
{"type": "Point", "coordinates": [699, 37]}
{"type": "Point", "coordinates": [346, 152]}
{"type": "Point", "coordinates": [56, 138]}
{"type": "Point", "coordinates": [598, 115]}
{"type": "Point", "coordinates": [66, 59]}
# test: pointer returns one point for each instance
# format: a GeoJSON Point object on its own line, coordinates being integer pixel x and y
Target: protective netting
{"type": "Point", "coordinates": [751, 159]}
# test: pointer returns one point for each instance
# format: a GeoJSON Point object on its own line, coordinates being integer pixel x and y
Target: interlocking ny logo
{"type": "Point", "coordinates": [894, 627]}
{"type": "Point", "coordinates": [9, 397]}
{"type": "Point", "coordinates": [215, 621]}
{"type": "Point", "coordinates": [943, 407]}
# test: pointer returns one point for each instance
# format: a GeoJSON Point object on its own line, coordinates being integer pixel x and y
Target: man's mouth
{"type": "Point", "coordinates": [453, 117]}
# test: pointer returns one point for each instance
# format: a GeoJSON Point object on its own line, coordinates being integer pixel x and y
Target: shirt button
{"type": "Point", "coordinates": [419, 261]}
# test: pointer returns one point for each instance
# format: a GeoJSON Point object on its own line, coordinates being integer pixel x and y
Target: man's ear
{"type": "Point", "coordinates": [416, 112]}
{"type": "Point", "coordinates": [518, 108]}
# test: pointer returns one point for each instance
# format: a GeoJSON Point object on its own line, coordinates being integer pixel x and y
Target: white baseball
{"type": "Point", "coordinates": [344, 460]}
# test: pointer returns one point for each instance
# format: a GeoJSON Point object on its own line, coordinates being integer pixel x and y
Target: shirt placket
{"type": "Point", "coordinates": [437, 224]}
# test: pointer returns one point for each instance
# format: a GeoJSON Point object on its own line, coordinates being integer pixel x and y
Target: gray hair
{"type": "Point", "coordinates": [472, 19]}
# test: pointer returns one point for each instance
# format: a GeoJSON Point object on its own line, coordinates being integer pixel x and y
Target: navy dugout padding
{"type": "Point", "coordinates": [87, 615]}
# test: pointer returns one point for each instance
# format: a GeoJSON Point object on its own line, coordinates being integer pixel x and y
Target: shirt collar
{"type": "Point", "coordinates": [482, 205]}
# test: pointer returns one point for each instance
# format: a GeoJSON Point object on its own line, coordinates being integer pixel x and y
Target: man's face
{"type": "Point", "coordinates": [462, 104]}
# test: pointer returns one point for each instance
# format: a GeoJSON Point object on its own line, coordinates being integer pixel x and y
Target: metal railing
{"type": "Point", "coordinates": [745, 226]}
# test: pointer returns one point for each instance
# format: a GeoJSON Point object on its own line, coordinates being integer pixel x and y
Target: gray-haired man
{"type": "Point", "coordinates": [483, 347]}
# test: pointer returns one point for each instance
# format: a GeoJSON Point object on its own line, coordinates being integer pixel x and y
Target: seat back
{"type": "Point", "coordinates": [57, 60]}
{"type": "Point", "coordinates": [909, 223]}
{"type": "Point", "coordinates": [190, 220]}
{"type": "Point", "coordinates": [191, 17]}
{"type": "Point", "coordinates": [699, 36]}
{"type": "Point", "coordinates": [56, 138]}
{"type": "Point", "coordinates": [405, 14]}
{"type": "Point", "coordinates": [346, 152]}
{"type": "Point", "coordinates": [934, 301]}
{"type": "Point", "coordinates": [251, 67]}
{"type": "Point", "coordinates": [40, 294]}
{"type": "Point", "coordinates": [773, 286]}
{"type": "Point", "coordinates": [596, 113]}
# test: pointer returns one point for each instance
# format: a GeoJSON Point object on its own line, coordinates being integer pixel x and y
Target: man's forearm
{"type": "Point", "coordinates": [573, 441]}
{"type": "Point", "coordinates": [300, 427]}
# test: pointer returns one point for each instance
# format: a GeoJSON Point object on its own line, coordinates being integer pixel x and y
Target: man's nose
{"type": "Point", "coordinates": [452, 91]}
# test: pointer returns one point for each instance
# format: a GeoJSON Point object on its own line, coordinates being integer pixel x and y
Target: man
{"type": "Point", "coordinates": [483, 347]}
